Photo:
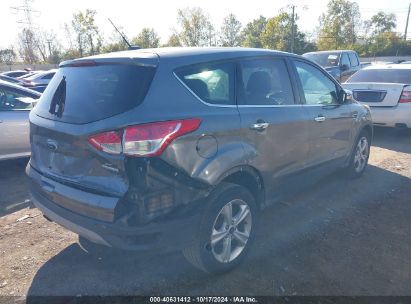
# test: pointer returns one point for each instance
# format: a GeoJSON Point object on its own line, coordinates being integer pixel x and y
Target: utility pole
{"type": "Point", "coordinates": [406, 25]}
{"type": "Point", "coordinates": [49, 44]}
{"type": "Point", "coordinates": [292, 28]}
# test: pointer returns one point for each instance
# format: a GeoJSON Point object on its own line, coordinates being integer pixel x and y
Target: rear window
{"type": "Point", "coordinates": [90, 93]}
{"type": "Point", "coordinates": [382, 76]}
{"type": "Point", "coordinates": [212, 83]}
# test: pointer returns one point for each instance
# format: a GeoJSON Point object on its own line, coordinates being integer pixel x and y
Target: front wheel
{"type": "Point", "coordinates": [226, 231]}
{"type": "Point", "coordinates": [359, 157]}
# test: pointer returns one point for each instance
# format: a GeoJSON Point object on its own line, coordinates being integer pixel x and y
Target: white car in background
{"type": "Point", "coordinates": [386, 89]}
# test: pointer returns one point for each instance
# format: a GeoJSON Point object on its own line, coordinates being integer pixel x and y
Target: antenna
{"type": "Point", "coordinates": [130, 47]}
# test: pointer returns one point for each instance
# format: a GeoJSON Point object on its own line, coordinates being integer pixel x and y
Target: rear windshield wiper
{"type": "Point", "coordinates": [59, 99]}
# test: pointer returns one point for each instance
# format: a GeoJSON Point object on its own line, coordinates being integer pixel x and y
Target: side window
{"type": "Point", "coordinates": [353, 59]}
{"type": "Point", "coordinates": [265, 82]}
{"type": "Point", "coordinates": [212, 83]}
{"type": "Point", "coordinates": [11, 100]}
{"type": "Point", "coordinates": [345, 60]}
{"type": "Point", "coordinates": [317, 87]}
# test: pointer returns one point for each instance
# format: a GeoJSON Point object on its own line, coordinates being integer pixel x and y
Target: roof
{"type": "Point", "coordinates": [188, 53]}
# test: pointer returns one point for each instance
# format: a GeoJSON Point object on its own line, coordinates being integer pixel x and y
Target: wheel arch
{"type": "Point", "coordinates": [249, 178]}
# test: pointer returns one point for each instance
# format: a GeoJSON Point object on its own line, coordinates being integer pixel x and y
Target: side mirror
{"type": "Point", "coordinates": [344, 67]}
{"type": "Point", "coordinates": [346, 96]}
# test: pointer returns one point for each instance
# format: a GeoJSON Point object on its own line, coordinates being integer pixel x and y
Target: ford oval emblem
{"type": "Point", "coordinates": [51, 144]}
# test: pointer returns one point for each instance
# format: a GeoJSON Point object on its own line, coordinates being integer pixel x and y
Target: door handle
{"type": "Point", "coordinates": [319, 118]}
{"type": "Point", "coordinates": [259, 126]}
{"type": "Point", "coordinates": [354, 114]}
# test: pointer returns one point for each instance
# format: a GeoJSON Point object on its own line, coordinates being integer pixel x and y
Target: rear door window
{"type": "Point", "coordinates": [265, 82]}
{"type": "Point", "coordinates": [91, 93]}
{"type": "Point", "coordinates": [213, 83]}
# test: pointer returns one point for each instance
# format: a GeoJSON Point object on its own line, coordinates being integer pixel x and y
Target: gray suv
{"type": "Point", "coordinates": [180, 148]}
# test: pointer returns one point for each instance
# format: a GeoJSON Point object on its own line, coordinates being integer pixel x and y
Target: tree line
{"type": "Point", "coordinates": [339, 27]}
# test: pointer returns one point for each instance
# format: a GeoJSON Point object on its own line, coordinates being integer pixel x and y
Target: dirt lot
{"type": "Point", "coordinates": [338, 238]}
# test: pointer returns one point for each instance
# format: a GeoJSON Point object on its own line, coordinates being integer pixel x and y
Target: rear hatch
{"type": "Point", "coordinates": [87, 97]}
{"type": "Point", "coordinates": [376, 94]}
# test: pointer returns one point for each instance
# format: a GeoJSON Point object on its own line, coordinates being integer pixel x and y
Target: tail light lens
{"type": "Point", "coordinates": [149, 139]}
{"type": "Point", "coordinates": [28, 83]}
{"type": "Point", "coordinates": [405, 95]}
{"type": "Point", "coordinates": [109, 142]}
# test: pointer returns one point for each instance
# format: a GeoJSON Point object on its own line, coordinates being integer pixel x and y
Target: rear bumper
{"type": "Point", "coordinates": [170, 233]}
{"type": "Point", "coordinates": [392, 116]}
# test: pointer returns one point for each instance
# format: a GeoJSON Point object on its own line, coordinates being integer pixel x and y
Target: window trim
{"type": "Point", "coordinates": [300, 86]}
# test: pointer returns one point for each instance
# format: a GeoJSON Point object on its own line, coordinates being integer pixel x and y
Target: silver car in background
{"type": "Point", "coordinates": [15, 105]}
{"type": "Point", "coordinates": [386, 89]}
{"type": "Point", "coordinates": [39, 79]}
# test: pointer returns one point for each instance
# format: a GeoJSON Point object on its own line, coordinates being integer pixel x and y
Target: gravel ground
{"type": "Point", "coordinates": [338, 238]}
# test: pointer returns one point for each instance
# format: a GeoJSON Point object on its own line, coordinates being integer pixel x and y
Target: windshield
{"type": "Point", "coordinates": [382, 76]}
{"type": "Point", "coordinates": [325, 59]}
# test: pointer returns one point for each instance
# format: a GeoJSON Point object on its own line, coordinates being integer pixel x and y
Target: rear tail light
{"type": "Point", "coordinates": [28, 83]}
{"type": "Point", "coordinates": [149, 139]}
{"type": "Point", "coordinates": [405, 95]}
{"type": "Point", "coordinates": [109, 142]}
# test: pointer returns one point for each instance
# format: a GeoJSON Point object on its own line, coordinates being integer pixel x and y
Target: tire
{"type": "Point", "coordinates": [359, 156]}
{"type": "Point", "coordinates": [213, 256]}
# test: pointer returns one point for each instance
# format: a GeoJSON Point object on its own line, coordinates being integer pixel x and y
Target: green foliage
{"type": "Point", "coordinates": [384, 44]}
{"type": "Point", "coordinates": [195, 27]}
{"type": "Point", "coordinates": [251, 34]}
{"type": "Point", "coordinates": [230, 32]}
{"type": "Point", "coordinates": [173, 41]}
{"type": "Point", "coordinates": [114, 47]}
{"type": "Point", "coordinates": [277, 33]}
{"type": "Point", "coordinates": [381, 23]}
{"type": "Point", "coordinates": [87, 34]}
{"type": "Point", "coordinates": [147, 38]}
{"type": "Point", "coordinates": [339, 25]}
{"type": "Point", "coordinates": [7, 56]}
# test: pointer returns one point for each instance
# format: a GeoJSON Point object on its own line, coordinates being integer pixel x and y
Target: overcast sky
{"type": "Point", "coordinates": [161, 14]}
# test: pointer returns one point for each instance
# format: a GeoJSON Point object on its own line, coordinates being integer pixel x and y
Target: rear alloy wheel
{"type": "Point", "coordinates": [226, 231]}
{"type": "Point", "coordinates": [359, 158]}
{"type": "Point", "coordinates": [231, 231]}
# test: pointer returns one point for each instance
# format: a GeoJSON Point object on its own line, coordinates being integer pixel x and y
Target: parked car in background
{"type": "Point", "coordinates": [10, 79]}
{"type": "Point", "coordinates": [41, 78]}
{"type": "Point", "coordinates": [29, 74]}
{"type": "Point", "coordinates": [39, 88]}
{"type": "Point", "coordinates": [15, 105]}
{"type": "Point", "coordinates": [387, 90]}
{"type": "Point", "coordinates": [341, 64]}
{"type": "Point", "coordinates": [15, 74]}
{"type": "Point", "coordinates": [185, 159]}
